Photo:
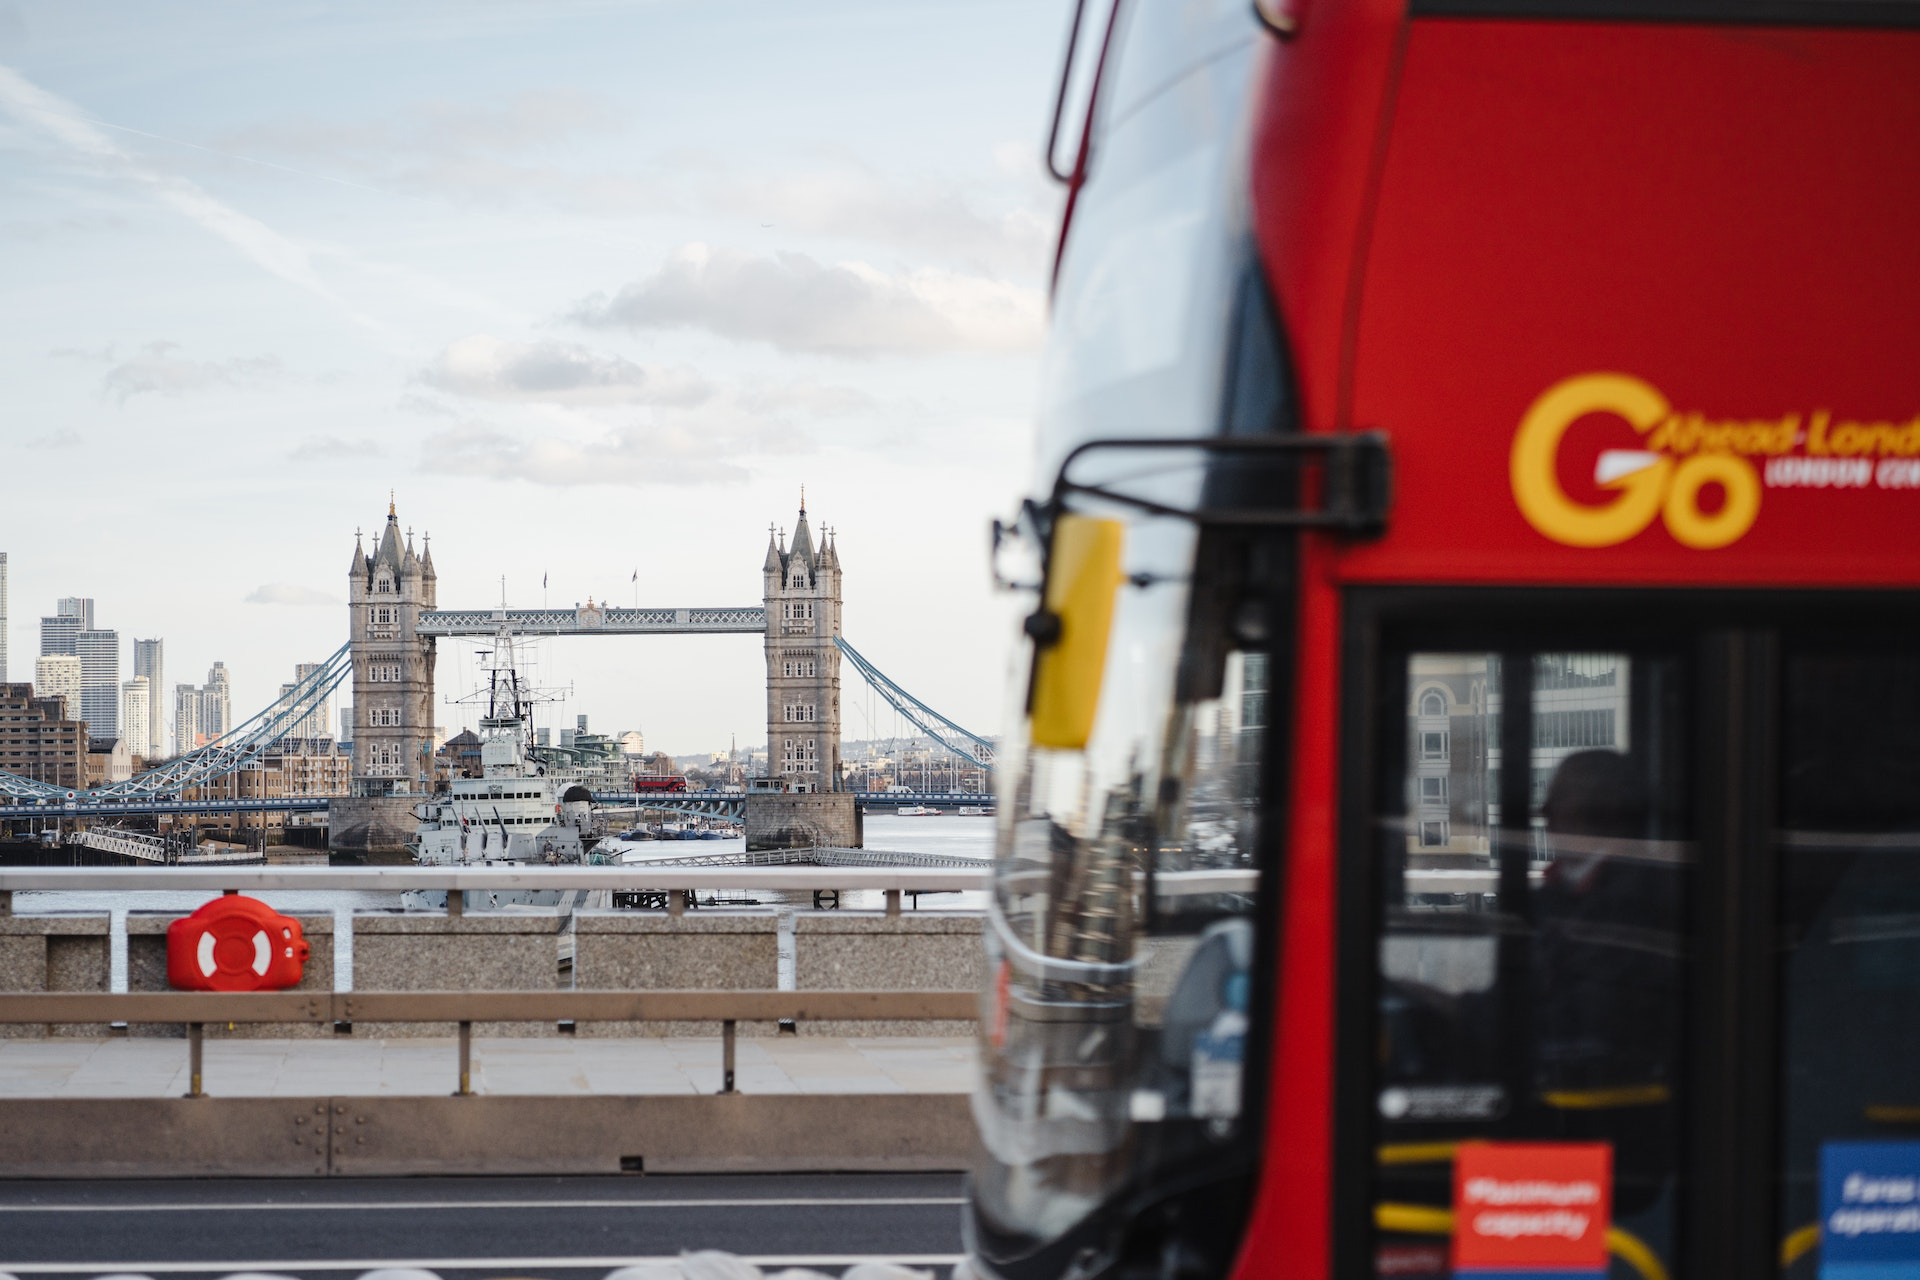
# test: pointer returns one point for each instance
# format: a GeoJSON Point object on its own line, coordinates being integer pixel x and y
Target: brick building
{"type": "Point", "coordinates": [38, 739]}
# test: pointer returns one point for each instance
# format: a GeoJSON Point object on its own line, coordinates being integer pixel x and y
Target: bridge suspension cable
{"type": "Point", "coordinates": [966, 744]}
{"type": "Point", "coordinates": [232, 750]}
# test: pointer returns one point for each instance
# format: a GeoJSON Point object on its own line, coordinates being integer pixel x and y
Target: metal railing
{"type": "Point", "coordinates": [675, 882]}
{"type": "Point", "coordinates": [195, 1009]}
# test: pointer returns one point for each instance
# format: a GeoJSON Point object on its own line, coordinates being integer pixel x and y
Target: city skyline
{"type": "Point", "coordinates": [591, 311]}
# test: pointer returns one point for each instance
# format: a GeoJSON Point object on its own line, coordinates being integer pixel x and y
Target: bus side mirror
{"type": "Point", "coordinates": [1072, 628]}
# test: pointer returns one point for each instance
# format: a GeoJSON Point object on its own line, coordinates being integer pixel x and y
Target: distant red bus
{"type": "Point", "coordinates": [669, 782]}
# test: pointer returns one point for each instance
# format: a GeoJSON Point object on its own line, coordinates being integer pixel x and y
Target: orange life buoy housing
{"type": "Point", "coordinates": [235, 944]}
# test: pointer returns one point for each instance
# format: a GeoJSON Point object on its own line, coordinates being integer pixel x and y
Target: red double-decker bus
{"type": "Point", "coordinates": [1468, 817]}
{"type": "Point", "coordinates": [646, 782]}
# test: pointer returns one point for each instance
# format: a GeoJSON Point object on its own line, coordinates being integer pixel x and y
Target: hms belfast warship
{"type": "Point", "coordinates": [516, 812]}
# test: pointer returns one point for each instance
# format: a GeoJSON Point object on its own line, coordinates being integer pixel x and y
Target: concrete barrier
{"type": "Point", "coordinates": [512, 951]}
{"type": "Point", "coordinates": [868, 951]}
{"type": "Point", "coordinates": [54, 953]}
{"type": "Point", "coordinates": [147, 971]}
{"type": "Point", "coordinates": [344, 1137]}
{"type": "Point", "coordinates": [653, 951]}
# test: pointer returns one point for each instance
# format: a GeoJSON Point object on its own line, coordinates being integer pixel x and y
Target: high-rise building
{"type": "Point", "coordinates": [149, 664]}
{"type": "Point", "coordinates": [57, 675]}
{"type": "Point", "coordinates": [136, 706]}
{"type": "Point", "coordinates": [187, 733]}
{"type": "Point", "coordinates": [71, 631]}
{"type": "Point", "coordinates": [802, 592]}
{"type": "Point", "coordinates": [317, 723]}
{"type": "Point", "coordinates": [203, 714]}
{"type": "Point", "coordinates": [216, 711]}
{"type": "Point", "coordinates": [99, 651]}
{"type": "Point", "coordinates": [3, 617]}
{"type": "Point", "coordinates": [71, 616]}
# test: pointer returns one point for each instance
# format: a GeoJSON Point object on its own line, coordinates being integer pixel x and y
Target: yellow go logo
{"type": "Point", "coordinates": [1647, 484]}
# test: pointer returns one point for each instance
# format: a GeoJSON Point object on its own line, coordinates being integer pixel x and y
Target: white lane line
{"type": "Point", "coordinates": [345, 1206]}
{"type": "Point", "coordinates": [471, 1264]}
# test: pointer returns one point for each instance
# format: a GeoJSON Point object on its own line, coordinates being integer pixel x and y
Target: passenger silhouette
{"type": "Point", "coordinates": [1608, 976]}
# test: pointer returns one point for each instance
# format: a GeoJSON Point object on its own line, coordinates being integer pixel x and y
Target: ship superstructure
{"type": "Point", "coordinates": [515, 810]}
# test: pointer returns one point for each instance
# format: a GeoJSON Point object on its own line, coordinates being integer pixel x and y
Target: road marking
{"type": "Point", "coordinates": [346, 1206]}
{"type": "Point", "coordinates": [473, 1264]}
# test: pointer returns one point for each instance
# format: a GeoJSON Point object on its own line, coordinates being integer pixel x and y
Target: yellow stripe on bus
{"type": "Point", "coordinates": [1795, 1246]}
{"type": "Point", "coordinates": [1889, 1113]}
{"type": "Point", "coordinates": [1630, 1095]}
{"type": "Point", "coordinates": [1415, 1152]}
{"type": "Point", "coordinates": [1426, 1220]}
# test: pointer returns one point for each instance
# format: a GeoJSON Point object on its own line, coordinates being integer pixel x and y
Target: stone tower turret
{"type": "Point", "coordinates": [802, 592]}
{"type": "Point", "coordinates": [392, 666]}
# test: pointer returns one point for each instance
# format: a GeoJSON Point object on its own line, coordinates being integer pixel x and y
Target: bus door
{"type": "Point", "coordinates": [1631, 903]}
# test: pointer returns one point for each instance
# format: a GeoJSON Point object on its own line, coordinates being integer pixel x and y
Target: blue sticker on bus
{"type": "Point", "coordinates": [1870, 1211]}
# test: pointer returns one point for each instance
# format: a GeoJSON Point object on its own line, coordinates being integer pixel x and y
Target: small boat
{"type": "Point", "coordinates": [975, 811]}
{"type": "Point", "coordinates": [918, 811]}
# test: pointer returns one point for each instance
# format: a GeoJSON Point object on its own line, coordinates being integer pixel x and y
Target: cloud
{"type": "Point", "coordinates": [794, 302]}
{"type": "Point", "coordinates": [156, 371]}
{"type": "Point", "coordinates": [938, 219]}
{"type": "Point", "coordinates": [816, 399]}
{"type": "Point", "coordinates": [333, 448]}
{"type": "Point", "coordinates": [494, 152]}
{"type": "Point", "coordinates": [289, 593]}
{"type": "Point", "coordinates": [66, 438]}
{"type": "Point", "coordinates": [631, 456]}
{"type": "Point", "coordinates": [103, 356]}
{"type": "Point", "coordinates": [281, 255]}
{"type": "Point", "coordinates": [485, 368]}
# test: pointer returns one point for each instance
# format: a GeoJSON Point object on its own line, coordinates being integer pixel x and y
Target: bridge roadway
{"type": "Point", "coordinates": [566, 1228]}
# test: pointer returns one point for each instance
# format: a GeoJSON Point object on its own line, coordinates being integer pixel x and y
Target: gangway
{"type": "Point", "coordinates": [158, 850]}
{"type": "Point", "coordinates": [131, 844]}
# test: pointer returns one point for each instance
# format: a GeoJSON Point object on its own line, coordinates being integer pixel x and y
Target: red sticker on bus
{"type": "Point", "coordinates": [1531, 1207]}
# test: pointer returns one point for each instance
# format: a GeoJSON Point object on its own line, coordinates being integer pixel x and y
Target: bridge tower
{"type": "Point", "coordinates": [802, 593]}
{"type": "Point", "coordinates": [392, 665]}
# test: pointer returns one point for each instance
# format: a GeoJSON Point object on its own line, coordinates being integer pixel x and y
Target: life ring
{"type": "Point", "coordinates": [235, 944]}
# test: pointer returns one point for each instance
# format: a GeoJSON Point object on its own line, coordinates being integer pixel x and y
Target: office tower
{"type": "Point", "coordinates": [136, 706]}
{"type": "Point", "coordinates": [70, 617]}
{"type": "Point", "coordinates": [99, 652]}
{"type": "Point", "coordinates": [3, 617]}
{"type": "Point", "coordinates": [149, 664]}
{"type": "Point", "coordinates": [317, 723]}
{"type": "Point", "coordinates": [71, 631]}
{"type": "Point", "coordinates": [346, 723]}
{"type": "Point", "coordinates": [216, 711]}
{"type": "Point", "coordinates": [57, 675]}
{"type": "Point", "coordinates": [186, 719]}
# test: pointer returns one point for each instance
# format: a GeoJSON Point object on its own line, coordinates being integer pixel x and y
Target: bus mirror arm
{"type": "Point", "coordinates": [1354, 470]}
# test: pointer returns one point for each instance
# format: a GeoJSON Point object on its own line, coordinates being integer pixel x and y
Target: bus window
{"type": "Point", "coordinates": [1531, 954]}
{"type": "Point", "coordinates": [1850, 900]}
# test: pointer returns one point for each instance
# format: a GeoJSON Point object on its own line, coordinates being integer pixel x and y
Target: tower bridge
{"type": "Point", "coordinates": [395, 625]}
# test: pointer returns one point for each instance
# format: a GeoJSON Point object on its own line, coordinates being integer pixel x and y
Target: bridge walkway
{"type": "Point", "coordinates": [122, 1067]}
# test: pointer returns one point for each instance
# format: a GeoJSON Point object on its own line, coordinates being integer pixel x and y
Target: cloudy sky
{"type": "Point", "coordinates": [593, 287]}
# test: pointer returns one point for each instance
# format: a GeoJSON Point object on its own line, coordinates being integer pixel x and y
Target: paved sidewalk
{"type": "Point", "coordinates": [142, 1068]}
